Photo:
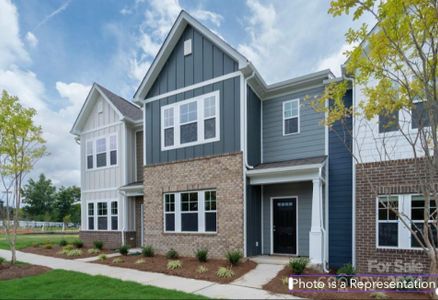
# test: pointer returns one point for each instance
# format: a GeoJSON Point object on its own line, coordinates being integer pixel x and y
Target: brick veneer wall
{"type": "Point", "coordinates": [110, 239]}
{"type": "Point", "coordinates": [222, 173]}
{"type": "Point", "coordinates": [383, 178]}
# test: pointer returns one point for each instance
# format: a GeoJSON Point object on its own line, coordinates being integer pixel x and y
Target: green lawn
{"type": "Point", "coordinates": [26, 240]}
{"type": "Point", "coordinates": [58, 284]}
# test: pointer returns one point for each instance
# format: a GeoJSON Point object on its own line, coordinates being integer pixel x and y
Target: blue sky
{"type": "Point", "coordinates": [51, 51]}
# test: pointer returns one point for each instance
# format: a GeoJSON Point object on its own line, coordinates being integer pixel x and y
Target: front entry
{"type": "Point", "coordinates": [284, 225]}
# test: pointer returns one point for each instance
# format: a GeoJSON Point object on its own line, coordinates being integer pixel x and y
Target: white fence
{"type": "Point", "coordinates": [40, 224]}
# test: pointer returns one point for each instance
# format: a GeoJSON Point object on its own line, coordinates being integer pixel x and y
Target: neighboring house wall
{"type": "Point", "coordinates": [253, 127]}
{"type": "Point", "coordinates": [340, 191]}
{"type": "Point", "coordinates": [207, 61]}
{"type": "Point", "coordinates": [303, 190]}
{"type": "Point", "coordinates": [253, 220]}
{"type": "Point", "coordinates": [309, 142]}
{"type": "Point", "coordinates": [139, 155]}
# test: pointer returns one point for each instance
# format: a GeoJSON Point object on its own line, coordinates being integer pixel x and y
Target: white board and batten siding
{"type": "Point", "coordinates": [101, 184]}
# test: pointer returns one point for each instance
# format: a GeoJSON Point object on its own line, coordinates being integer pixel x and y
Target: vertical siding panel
{"type": "Point", "coordinates": [197, 56]}
{"type": "Point", "coordinates": [227, 128]}
{"type": "Point", "coordinates": [218, 62]}
{"type": "Point", "coordinates": [207, 59]}
{"type": "Point", "coordinates": [179, 52]}
{"type": "Point", "coordinates": [188, 60]}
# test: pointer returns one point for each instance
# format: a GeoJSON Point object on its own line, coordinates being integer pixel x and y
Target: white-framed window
{"type": "Point", "coordinates": [191, 211]}
{"type": "Point", "coordinates": [101, 152]}
{"type": "Point", "coordinates": [102, 216]}
{"type": "Point", "coordinates": [190, 122]}
{"type": "Point", "coordinates": [90, 212]}
{"type": "Point", "coordinates": [89, 151]}
{"type": "Point", "coordinates": [391, 231]}
{"type": "Point", "coordinates": [114, 215]}
{"type": "Point", "coordinates": [291, 116]}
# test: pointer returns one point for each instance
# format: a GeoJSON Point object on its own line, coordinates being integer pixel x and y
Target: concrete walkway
{"type": "Point", "coordinates": [200, 287]}
{"type": "Point", "coordinates": [261, 275]}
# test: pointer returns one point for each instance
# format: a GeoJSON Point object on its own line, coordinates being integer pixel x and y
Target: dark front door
{"type": "Point", "coordinates": [284, 225]}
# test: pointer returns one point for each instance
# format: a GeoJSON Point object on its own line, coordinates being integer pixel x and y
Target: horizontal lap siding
{"type": "Point", "coordinates": [308, 143]}
{"type": "Point", "coordinates": [340, 193]}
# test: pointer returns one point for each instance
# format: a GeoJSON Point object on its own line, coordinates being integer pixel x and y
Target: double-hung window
{"type": "Point", "coordinates": [190, 212]}
{"type": "Point", "coordinates": [89, 146]}
{"type": "Point", "coordinates": [190, 122]}
{"type": "Point", "coordinates": [291, 116]}
{"type": "Point", "coordinates": [102, 216]}
{"type": "Point", "coordinates": [101, 152]}
{"type": "Point", "coordinates": [113, 150]}
{"type": "Point", "coordinates": [388, 121]}
{"type": "Point", "coordinates": [387, 221]}
{"type": "Point", "coordinates": [114, 215]}
{"type": "Point", "coordinates": [417, 217]}
{"type": "Point", "coordinates": [90, 216]}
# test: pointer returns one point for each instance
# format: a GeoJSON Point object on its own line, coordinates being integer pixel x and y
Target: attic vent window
{"type": "Point", "coordinates": [187, 47]}
{"type": "Point", "coordinates": [99, 107]}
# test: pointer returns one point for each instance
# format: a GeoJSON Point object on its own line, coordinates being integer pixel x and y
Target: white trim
{"type": "Point", "coordinates": [107, 138]}
{"type": "Point", "coordinates": [271, 199]}
{"type": "Point", "coordinates": [261, 131]}
{"type": "Point", "coordinates": [101, 127]}
{"type": "Point", "coordinates": [99, 190]}
{"type": "Point", "coordinates": [200, 119]}
{"type": "Point", "coordinates": [262, 242]}
{"type": "Point", "coordinates": [242, 112]}
{"type": "Point", "coordinates": [297, 116]}
{"type": "Point", "coordinates": [144, 137]}
{"type": "Point", "coordinates": [192, 87]}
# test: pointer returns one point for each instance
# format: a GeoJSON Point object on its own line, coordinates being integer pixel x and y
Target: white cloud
{"type": "Point", "coordinates": [335, 60]}
{"type": "Point", "coordinates": [31, 39]}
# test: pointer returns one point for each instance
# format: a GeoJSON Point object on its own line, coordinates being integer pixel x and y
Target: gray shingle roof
{"type": "Point", "coordinates": [126, 108]}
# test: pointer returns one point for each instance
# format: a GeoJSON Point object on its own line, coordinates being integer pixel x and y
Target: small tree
{"type": "Point", "coordinates": [21, 146]}
{"type": "Point", "coordinates": [396, 64]}
{"type": "Point", "coordinates": [40, 198]}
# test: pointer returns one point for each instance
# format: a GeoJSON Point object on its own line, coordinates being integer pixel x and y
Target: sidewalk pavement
{"type": "Point", "coordinates": [200, 287]}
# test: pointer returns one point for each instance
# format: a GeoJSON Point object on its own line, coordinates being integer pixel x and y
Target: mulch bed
{"type": "Point", "coordinates": [55, 249]}
{"type": "Point", "coordinates": [158, 264]}
{"type": "Point", "coordinates": [277, 286]}
{"type": "Point", "coordinates": [8, 271]}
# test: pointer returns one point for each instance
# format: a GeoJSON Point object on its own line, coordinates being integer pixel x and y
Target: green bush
{"type": "Point", "coordinates": [234, 257]}
{"type": "Point", "coordinates": [78, 244]}
{"type": "Point", "coordinates": [62, 243]}
{"type": "Point", "coordinates": [118, 260]}
{"type": "Point", "coordinates": [2, 260]}
{"type": "Point", "coordinates": [93, 251]}
{"type": "Point", "coordinates": [378, 295]}
{"type": "Point", "coordinates": [35, 244]}
{"type": "Point", "coordinates": [102, 257]}
{"type": "Point", "coordinates": [346, 269]}
{"type": "Point", "coordinates": [148, 251]}
{"type": "Point", "coordinates": [174, 264]}
{"type": "Point", "coordinates": [74, 252]}
{"type": "Point", "coordinates": [47, 246]}
{"type": "Point", "coordinates": [124, 250]}
{"type": "Point", "coordinates": [201, 269]}
{"type": "Point", "coordinates": [223, 272]}
{"type": "Point", "coordinates": [98, 245]}
{"type": "Point", "coordinates": [202, 254]}
{"type": "Point", "coordinates": [298, 265]}
{"type": "Point", "coordinates": [172, 254]}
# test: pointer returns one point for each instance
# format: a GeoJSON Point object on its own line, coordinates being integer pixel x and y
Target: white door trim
{"type": "Point", "coordinates": [272, 224]}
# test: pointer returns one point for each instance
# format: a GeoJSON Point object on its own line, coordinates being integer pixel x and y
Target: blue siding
{"type": "Point", "coordinates": [254, 128]}
{"type": "Point", "coordinates": [253, 220]}
{"type": "Point", "coordinates": [229, 125]}
{"type": "Point", "coordinates": [310, 142]}
{"type": "Point", "coordinates": [340, 192]}
{"type": "Point", "coordinates": [206, 62]}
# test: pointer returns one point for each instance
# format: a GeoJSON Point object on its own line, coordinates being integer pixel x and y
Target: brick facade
{"type": "Point", "coordinates": [110, 239]}
{"type": "Point", "coordinates": [223, 173]}
{"type": "Point", "coordinates": [382, 178]}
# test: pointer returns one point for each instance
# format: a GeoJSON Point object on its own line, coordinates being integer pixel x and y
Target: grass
{"type": "Point", "coordinates": [59, 284]}
{"type": "Point", "coordinates": [27, 240]}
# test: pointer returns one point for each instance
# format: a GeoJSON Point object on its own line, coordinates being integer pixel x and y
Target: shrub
{"type": "Point", "coordinates": [62, 243]}
{"type": "Point", "coordinates": [2, 260]}
{"type": "Point", "coordinates": [174, 264]}
{"type": "Point", "coordinates": [201, 254]}
{"type": "Point", "coordinates": [98, 245]}
{"type": "Point", "coordinates": [148, 251]}
{"type": "Point", "coordinates": [234, 257]}
{"type": "Point", "coordinates": [379, 295]}
{"type": "Point", "coordinates": [93, 251]}
{"type": "Point", "coordinates": [124, 250]}
{"type": "Point", "coordinates": [78, 244]}
{"type": "Point", "coordinates": [118, 260]}
{"type": "Point", "coordinates": [285, 280]}
{"type": "Point", "coordinates": [223, 272]}
{"type": "Point", "coordinates": [35, 244]}
{"type": "Point", "coordinates": [298, 265]}
{"type": "Point", "coordinates": [68, 247]}
{"type": "Point", "coordinates": [74, 252]}
{"type": "Point", "coordinates": [201, 269]}
{"type": "Point", "coordinates": [140, 261]}
{"type": "Point", "coordinates": [346, 269]}
{"type": "Point", "coordinates": [102, 257]}
{"type": "Point", "coordinates": [172, 254]}
{"type": "Point", "coordinates": [48, 246]}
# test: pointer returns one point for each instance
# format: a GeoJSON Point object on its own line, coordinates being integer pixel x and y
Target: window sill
{"type": "Point", "coordinates": [394, 249]}
{"type": "Point", "coordinates": [190, 233]}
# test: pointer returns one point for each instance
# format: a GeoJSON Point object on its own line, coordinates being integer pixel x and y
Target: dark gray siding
{"type": "Point", "coordinates": [253, 220]}
{"type": "Point", "coordinates": [206, 62]}
{"type": "Point", "coordinates": [340, 192]}
{"type": "Point", "coordinates": [254, 130]}
{"type": "Point", "coordinates": [140, 154]}
{"type": "Point", "coordinates": [309, 142]}
{"type": "Point", "coordinates": [229, 124]}
{"type": "Point", "coordinates": [303, 190]}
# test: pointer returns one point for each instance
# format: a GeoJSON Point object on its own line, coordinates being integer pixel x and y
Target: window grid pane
{"type": "Point", "coordinates": [101, 145]}
{"type": "Point", "coordinates": [188, 112]}
{"type": "Point", "coordinates": [189, 202]}
{"type": "Point", "coordinates": [113, 142]}
{"type": "Point", "coordinates": [209, 107]}
{"type": "Point", "coordinates": [114, 209]}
